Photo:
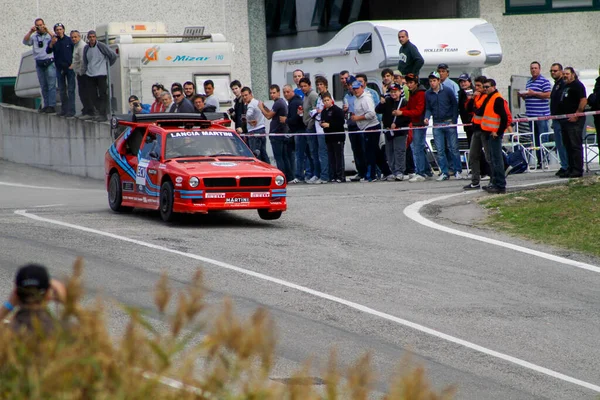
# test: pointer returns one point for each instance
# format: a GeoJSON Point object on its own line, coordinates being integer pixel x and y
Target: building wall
{"type": "Point", "coordinates": [570, 38]}
{"type": "Point", "coordinates": [229, 17]}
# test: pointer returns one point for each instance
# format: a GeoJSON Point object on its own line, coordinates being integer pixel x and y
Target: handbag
{"type": "Point", "coordinates": [44, 63]}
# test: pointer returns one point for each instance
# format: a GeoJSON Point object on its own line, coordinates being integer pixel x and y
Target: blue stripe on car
{"type": "Point", "coordinates": [278, 190]}
{"type": "Point", "coordinates": [279, 195]}
{"type": "Point", "coordinates": [191, 197]}
{"type": "Point", "coordinates": [122, 163]}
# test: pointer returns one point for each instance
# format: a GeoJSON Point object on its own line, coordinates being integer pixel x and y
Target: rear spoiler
{"type": "Point", "coordinates": [119, 121]}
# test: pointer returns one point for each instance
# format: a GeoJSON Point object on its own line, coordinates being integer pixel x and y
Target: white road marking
{"type": "Point", "coordinates": [20, 185]}
{"type": "Point", "coordinates": [48, 205]}
{"type": "Point", "coordinates": [413, 212]}
{"type": "Point", "coordinates": [325, 296]}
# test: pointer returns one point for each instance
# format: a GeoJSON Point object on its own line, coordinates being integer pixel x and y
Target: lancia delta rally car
{"type": "Point", "coordinates": [177, 163]}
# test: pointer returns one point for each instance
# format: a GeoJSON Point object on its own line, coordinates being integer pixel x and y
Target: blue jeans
{"type": "Point", "coordinates": [538, 127]}
{"type": "Point", "coordinates": [66, 82]}
{"type": "Point", "coordinates": [323, 158]}
{"type": "Point", "coordinates": [497, 161]}
{"type": "Point", "coordinates": [47, 78]}
{"type": "Point", "coordinates": [447, 139]}
{"type": "Point", "coordinates": [304, 164]}
{"type": "Point", "coordinates": [560, 147]}
{"type": "Point", "coordinates": [284, 157]}
{"type": "Point", "coordinates": [259, 144]}
{"type": "Point", "coordinates": [422, 166]}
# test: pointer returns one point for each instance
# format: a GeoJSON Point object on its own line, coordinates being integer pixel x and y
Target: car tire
{"type": "Point", "coordinates": [166, 201]}
{"type": "Point", "coordinates": [269, 216]}
{"type": "Point", "coordinates": [115, 194]}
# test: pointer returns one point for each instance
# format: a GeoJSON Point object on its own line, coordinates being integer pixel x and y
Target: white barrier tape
{"type": "Point", "coordinates": [515, 120]}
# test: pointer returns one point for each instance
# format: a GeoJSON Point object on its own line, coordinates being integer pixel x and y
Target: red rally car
{"type": "Point", "coordinates": [178, 163]}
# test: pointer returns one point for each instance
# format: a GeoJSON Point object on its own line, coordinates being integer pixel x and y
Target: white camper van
{"type": "Point", "coordinates": [368, 47]}
{"type": "Point", "coordinates": [148, 54]}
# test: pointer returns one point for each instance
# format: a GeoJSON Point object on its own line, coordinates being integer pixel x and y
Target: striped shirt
{"type": "Point", "coordinates": [535, 107]}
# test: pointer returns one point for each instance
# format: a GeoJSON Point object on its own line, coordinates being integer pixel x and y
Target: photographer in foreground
{"type": "Point", "coordinates": [32, 292]}
{"type": "Point", "coordinates": [39, 37]}
{"type": "Point", "coordinates": [136, 107]}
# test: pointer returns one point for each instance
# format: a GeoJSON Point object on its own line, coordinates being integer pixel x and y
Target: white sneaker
{"type": "Point", "coordinates": [399, 177]}
{"type": "Point", "coordinates": [410, 176]}
{"type": "Point", "coordinates": [294, 181]}
{"type": "Point", "coordinates": [356, 178]}
{"type": "Point", "coordinates": [470, 176]}
{"type": "Point", "coordinates": [312, 180]}
{"type": "Point", "coordinates": [389, 178]}
{"type": "Point", "coordinates": [318, 181]}
{"type": "Point", "coordinates": [484, 178]}
{"type": "Point", "coordinates": [442, 177]}
{"type": "Point", "coordinates": [417, 178]}
{"type": "Point", "coordinates": [458, 176]}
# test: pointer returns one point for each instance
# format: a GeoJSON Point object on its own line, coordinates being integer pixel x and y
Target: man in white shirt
{"type": "Point", "coordinates": [211, 99]}
{"type": "Point", "coordinates": [255, 123]}
{"type": "Point", "coordinates": [366, 119]}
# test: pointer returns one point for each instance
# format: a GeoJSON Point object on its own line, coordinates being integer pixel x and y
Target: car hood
{"type": "Point", "coordinates": [223, 166]}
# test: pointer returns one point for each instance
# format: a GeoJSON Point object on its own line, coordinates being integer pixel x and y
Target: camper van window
{"type": "Point", "coordinates": [338, 90]}
{"type": "Point", "coordinates": [222, 90]}
{"type": "Point", "coordinates": [361, 42]}
{"type": "Point", "coordinates": [374, 86]}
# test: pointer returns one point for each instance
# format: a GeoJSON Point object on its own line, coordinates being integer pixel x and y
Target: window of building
{"type": "Point", "coordinates": [544, 6]}
{"type": "Point", "coordinates": [333, 15]}
{"type": "Point", "coordinates": [280, 17]}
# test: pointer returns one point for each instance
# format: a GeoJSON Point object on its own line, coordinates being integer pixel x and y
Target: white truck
{"type": "Point", "coordinates": [148, 54]}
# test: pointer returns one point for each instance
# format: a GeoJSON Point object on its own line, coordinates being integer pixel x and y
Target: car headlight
{"type": "Point", "coordinates": [279, 180]}
{"type": "Point", "coordinates": [194, 182]}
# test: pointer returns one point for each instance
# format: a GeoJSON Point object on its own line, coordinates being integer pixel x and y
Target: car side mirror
{"type": "Point", "coordinates": [153, 155]}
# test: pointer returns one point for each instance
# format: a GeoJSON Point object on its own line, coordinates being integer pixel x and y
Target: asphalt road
{"type": "Point", "coordinates": [351, 241]}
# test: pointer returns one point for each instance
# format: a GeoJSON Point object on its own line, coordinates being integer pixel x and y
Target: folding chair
{"type": "Point", "coordinates": [590, 146]}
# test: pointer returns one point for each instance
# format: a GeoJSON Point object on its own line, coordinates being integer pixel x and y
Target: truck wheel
{"type": "Point", "coordinates": [115, 194]}
{"type": "Point", "coordinates": [166, 201]}
{"type": "Point", "coordinates": [269, 216]}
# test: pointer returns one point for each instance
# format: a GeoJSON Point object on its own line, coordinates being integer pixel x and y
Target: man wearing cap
{"type": "Point", "coordinates": [357, 140]}
{"type": "Point", "coordinates": [33, 290]}
{"type": "Point", "coordinates": [62, 47]}
{"type": "Point", "coordinates": [366, 119]}
{"type": "Point", "coordinates": [39, 37]}
{"type": "Point", "coordinates": [136, 107]}
{"type": "Point", "coordinates": [410, 61]}
{"type": "Point", "coordinates": [441, 104]}
{"type": "Point", "coordinates": [95, 57]}
{"type": "Point", "coordinates": [444, 72]}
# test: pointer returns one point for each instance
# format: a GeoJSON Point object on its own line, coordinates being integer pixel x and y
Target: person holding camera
{"type": "Point", "coordinates": [39, 37]}
{"type": "Point", "coordinates": [136, 107]}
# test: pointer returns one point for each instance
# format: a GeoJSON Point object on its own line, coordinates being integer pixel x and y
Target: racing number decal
{"type": "Point", "coordinates": [140, 178]}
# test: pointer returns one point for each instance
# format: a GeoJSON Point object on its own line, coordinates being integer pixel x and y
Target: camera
{"type": "Point", "coordinates": [231, 111]}
{"type": "Point", "coordinates": [136, 104]}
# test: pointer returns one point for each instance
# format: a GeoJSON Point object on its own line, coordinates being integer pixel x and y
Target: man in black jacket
{"type": "Point", "coordinates": [62, 47]}
{"type": "Point", "coordinates": [180, 103]}
{"type": "Point", "coordinates": [332, 122]}
{"type": "Point", "coordinates": [395, 140]}
{"type": "Point", "coordinates": [410, 60]}
{"type": "Point", "coordinates": [238, 112]}
{"type": "Point", "coordinates": [295, 125]}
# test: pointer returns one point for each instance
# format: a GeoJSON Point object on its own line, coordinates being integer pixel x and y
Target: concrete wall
{"type": "Point", "coordinates": [570, 38]}
{"type": "Point", "coordinates": [229, 17]}
{"type": "Point", "coordinates": [46, 141]}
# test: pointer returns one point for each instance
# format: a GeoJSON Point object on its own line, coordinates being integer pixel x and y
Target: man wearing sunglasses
{"type": "Point", "coordinates": [181, 103]}
{"type": "Point", "coordinates": [39, 37]}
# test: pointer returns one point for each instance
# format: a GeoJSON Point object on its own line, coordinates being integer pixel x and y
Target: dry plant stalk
{"type": "Point", "coordinates": [233, 360]}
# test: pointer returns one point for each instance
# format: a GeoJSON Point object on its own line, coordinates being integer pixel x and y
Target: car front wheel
{"type": "Point", "coordinates": [166, 201]}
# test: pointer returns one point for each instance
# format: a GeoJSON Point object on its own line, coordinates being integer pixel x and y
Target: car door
{"type": "Point", "coordinates": [147, 172]}
{"type": "Point", "coordinates": [133, 144]}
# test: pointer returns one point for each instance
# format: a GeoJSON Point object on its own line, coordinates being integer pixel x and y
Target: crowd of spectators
{"type": "Point", "coordinates": [308, 131]}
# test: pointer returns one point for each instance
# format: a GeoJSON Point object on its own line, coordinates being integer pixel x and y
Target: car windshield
{"type": "Point", "coordinates": [205, 143]}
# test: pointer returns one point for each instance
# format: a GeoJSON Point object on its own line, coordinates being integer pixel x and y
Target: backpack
{"type": "Point", "coordinates": [515, 162]}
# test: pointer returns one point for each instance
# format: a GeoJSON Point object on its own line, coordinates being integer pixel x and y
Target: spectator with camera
{"type": "Point", "coordinates": [136, 107]}
{"type": "Point", "coordinates": [39, 37]}
{"type": "Point", "coordinates": [61, 46]}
